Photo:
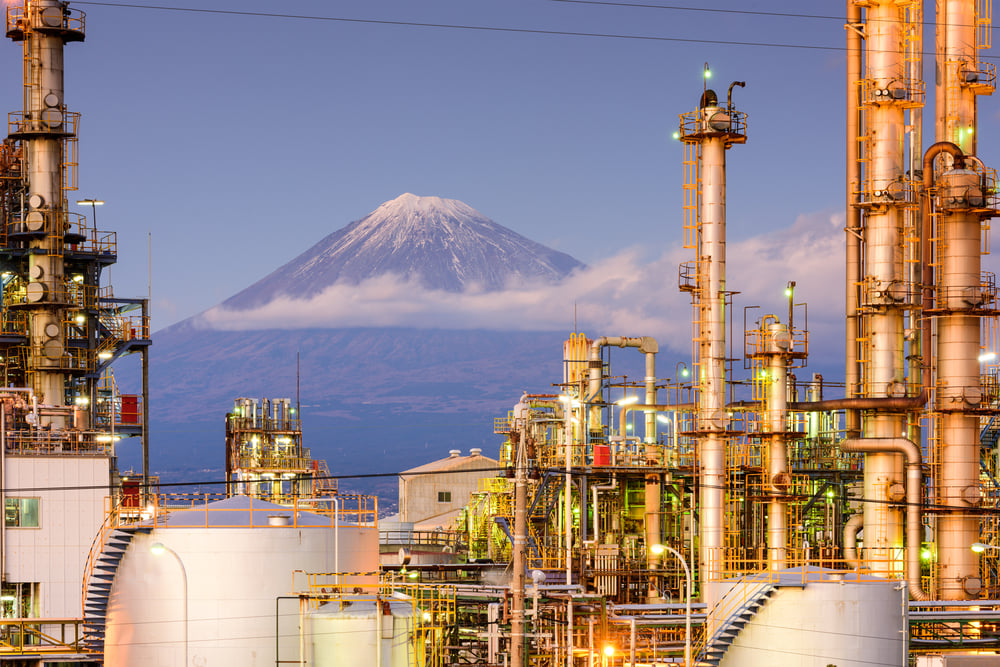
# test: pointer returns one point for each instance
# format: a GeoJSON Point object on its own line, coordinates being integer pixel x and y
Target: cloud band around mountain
{"type": "Point", "coordinates": [621, 295]}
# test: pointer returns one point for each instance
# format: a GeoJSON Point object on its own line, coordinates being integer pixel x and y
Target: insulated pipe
{"type": "Point", "coordinates": [712, 419]}
{"type": "Point", "coordinates": [959, 52]}
{"type": "Point", "coordinates": [852, 228]}
{"type": "Point", "coordinates": [914, 463]}
{"type": "Point", "coordinates": [776, 397]}
{"type": "Point", "coordinates": [885, 289]}
{"type": "Point", "coordinates": [851, 529]}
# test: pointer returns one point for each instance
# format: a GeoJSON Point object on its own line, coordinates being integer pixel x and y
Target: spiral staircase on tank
{"type": "Point", "coordinates": [102, 578]}
{"type": "Point", "coordinates": [730, 617]}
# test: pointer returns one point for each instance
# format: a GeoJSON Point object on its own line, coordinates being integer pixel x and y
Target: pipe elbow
{"type": "Point", "coordinates": [648, 345]}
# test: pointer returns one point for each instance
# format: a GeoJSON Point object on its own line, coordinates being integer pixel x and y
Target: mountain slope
{"type": "Point", "coordinates": [439, 243]}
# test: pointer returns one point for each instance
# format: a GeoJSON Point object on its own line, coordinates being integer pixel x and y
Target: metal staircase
{"type": "Point", "coordinates": [730, 617]}
{"type": "Point", "coordinates": [95, 607]}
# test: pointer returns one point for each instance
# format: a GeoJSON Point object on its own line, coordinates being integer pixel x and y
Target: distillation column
{"type": "Point", "coordinates": [712, 130]}
{"type": "Point", "coordinates": [886, 93]}
{"type": "Point", "coordinates": [960, 207]}
{"type": "Point", "coordinates": [44, 26]}
{"type": "Point", "coordinates": [778, 346]}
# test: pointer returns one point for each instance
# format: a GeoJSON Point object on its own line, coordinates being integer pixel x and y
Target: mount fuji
{"type": "Point", "coordinates": [373, 398]}
{"type": "Point", "coordinates": [439, 243]}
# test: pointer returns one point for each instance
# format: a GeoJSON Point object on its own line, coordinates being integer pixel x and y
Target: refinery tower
{"type": "Point", "coordinates": [61, 329]}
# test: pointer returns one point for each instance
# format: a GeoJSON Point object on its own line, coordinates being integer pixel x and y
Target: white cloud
{"type": "Point", "coordinates": [621, 295]}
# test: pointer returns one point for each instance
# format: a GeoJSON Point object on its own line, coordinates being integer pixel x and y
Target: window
{"type": "Point", "coordinates": [444, 496]}
{"type": "Point", "coordinates": [21, 513]}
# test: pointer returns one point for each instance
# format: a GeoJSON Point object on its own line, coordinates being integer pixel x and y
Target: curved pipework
{"type": "Point", "coordinates": [851, 529]}
{"type": "Point", "coordinates": [648, 346]}
{"type": "Point", "coordinates": [914, 463]}
{"type": "Point", "coordinates": [729, 95]}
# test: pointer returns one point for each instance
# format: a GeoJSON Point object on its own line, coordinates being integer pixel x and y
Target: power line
{"type": "Point", "coordinates": [456, 26]}
{"type": "Point", "coordinates": [748, 12]}
{"type": "Point", "coordinates": [500, 29]}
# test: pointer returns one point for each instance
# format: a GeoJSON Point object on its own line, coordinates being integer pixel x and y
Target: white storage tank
{"type": "Point", "coordinates": [815, 617]}
{"type": "Point", "coordinates": [362, 631]}
{"type": "Point", "coordinates": [237, 560]}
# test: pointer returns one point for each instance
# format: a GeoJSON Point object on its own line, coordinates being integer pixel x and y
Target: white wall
{"type": "Point", "coordinates": [54, 554]}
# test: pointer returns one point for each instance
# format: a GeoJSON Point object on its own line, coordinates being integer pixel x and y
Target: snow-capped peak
{"type": "Point", "coordinates": [441, 243]}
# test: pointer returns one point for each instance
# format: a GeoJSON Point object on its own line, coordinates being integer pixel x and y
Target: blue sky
{"type": "Point", "coordinates": [239, 141]}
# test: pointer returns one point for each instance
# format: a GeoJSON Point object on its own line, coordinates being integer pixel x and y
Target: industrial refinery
{"type": "Point", "coordinates": [735, 508]}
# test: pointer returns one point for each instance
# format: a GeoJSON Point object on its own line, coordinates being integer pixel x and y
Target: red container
{"type": "Point", "coordinates": [130, 409]}
{"type": "Point", "coordinates": [602, 455]}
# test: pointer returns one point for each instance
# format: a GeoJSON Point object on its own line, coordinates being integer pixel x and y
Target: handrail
{"type": "Point", "coordinates": [97, 548]}
{"type": "Point", "coordinates": [735, 599]}
{"type": "Point", "coordinates": [20, 628]}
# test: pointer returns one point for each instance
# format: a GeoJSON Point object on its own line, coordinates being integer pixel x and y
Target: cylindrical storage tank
{"type": "Point", "coordinates": [817, 617]}
{"type": "Point", "coordinates": [236, 567]}
{"type": "Point", "coordinates": [357, 631]}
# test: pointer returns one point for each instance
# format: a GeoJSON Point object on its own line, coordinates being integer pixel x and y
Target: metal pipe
{"type": "Point", "coordinates": [712, 419]}
{"type": "Point", "coordinates": [776, 396]}
{"type": "Point", "coordinates": [914, 464]}
{"type": "Point", "coordinates": [885, 290]}
{"type": "Point", "coordinates": [518, 557]}
{"type": "Point", "coordinates": [852, 227]}
{"type": "Point", "coordinates": [851, 529]}
{"type": "Point", "coordinates": [958, 396]}
{"type": "Point", "coordinates": [144, 368]}
{"type": "Point", "coordinates": [594, 489]}
{"type": "Point", "coordinates": [649, 347]}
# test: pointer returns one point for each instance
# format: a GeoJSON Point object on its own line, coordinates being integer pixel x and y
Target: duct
{"type": "Point", "coordinates": [914, 464]}
{"type": "Point", "coordinates": [851, 529]}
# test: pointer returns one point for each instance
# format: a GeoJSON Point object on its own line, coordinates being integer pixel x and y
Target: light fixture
{"type": "Point", "coordinates": [90, 202]}
{"type": "Point", "coordinates": [105, 355]}
{"type": "Point", "coordinates": [609, 650]}
{"type": "Point", "coordinates": [663, 419]}
{"type": "Point", "coordinates": [157, 549]}
{"type": "Point", "coordinates": [628, 400]}
{"type": "Point", "coordinates": [979, 547]}
{"type": "Point", "coordinates": [986, 356]}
